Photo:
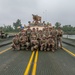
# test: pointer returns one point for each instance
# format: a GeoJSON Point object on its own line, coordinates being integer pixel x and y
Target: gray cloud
{"type": "Point", "coordinates": [50, 10]}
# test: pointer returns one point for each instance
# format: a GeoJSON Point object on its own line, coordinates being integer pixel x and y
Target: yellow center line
{"type": "Point", "coordinates": [5, 50]}
{"type": "Point", "coordinates": [68, 51]}
{"type": "Point", "coordinates": [29, 64]}
{"type": "Point", "coordinates": [35, 64]}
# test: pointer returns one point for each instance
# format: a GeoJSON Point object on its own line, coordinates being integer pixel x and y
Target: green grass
{"type": "Point", "coordinates": [12, 33]}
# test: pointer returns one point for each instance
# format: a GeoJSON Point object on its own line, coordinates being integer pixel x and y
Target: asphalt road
{"type": "Point", "coordinates": [37, 63]}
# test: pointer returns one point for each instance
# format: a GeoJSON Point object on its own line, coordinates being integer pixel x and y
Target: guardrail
{"type": "Point", "coordinates": [6, 43]}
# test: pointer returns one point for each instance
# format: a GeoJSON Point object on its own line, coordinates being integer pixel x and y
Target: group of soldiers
{"type": "Point", "coordinates": [47, 39]}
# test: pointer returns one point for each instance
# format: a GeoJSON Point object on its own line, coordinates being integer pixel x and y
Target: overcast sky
{"type": "Point", "coordinates": [51, 11]}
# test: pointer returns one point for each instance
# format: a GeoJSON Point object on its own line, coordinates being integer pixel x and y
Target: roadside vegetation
{"type": "Point", "coordinates": [11, 29]}
{"type": "Point", "coordinates": [68, 29]}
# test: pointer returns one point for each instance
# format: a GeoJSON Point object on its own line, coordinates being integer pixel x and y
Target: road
{"type": "Point", "coordinates": [62, 62]}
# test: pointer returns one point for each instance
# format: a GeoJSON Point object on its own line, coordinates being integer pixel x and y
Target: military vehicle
{"type": "Point", "coordinates": [3, 35]}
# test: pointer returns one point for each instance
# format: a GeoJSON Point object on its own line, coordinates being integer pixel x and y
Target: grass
{"type": "Point", "coordinates": [11, 32]}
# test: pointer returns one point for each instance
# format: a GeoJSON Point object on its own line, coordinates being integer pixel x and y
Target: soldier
{"type": "Point", "coordinates": [50, 29]}
{"type": "Point", "coordinates": [37, 29]}
{"type": "Point", "coordinates": [59, 37]}
{"type": "Point", "coordinates": [33, 32]}
{"type": "Point", "coordinates": [16, 43]}
{"type": "Point", "coordinates": [28, 44]}
{"type": "Point", "coordinates": [34, 43]}
{"type": "Point", "coordinates": [54, 36]}
{"type": "Point", "coordinates": [38, 35]}
{"type": "Point", "coordinates": [37, 32]}
{"type": "Point", "coordinates": [46, 31]}
{"type": "Point", "coordinates": [43, 43]}
{"type": "Point", "coordinates": [22, 32]}
{"type": "Point", "coordinates": [50, 43]}
{"type": "Point", "coordinates": [0, 34]}
{"type": "Point", "coordinates": [23, 40]}
{"type": "Point", "coordinates": [28, 33]}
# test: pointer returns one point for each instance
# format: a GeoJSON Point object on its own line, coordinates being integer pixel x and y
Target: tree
{"type": "Point", "coordinates": [68, 29]}
{"type": "Point", "coordinates": [15, 25]}
{"type": "Point", "coordinates": [7, 28]}
{"type": "Point", "coordinates": [57, 24]}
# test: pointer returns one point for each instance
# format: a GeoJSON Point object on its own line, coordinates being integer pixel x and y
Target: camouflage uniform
{"type": "Point", "coordinates": [34, 43]}
{"type": "Point", "coordinates": [50, 43]}
{"type": "Point", "coordinates": [16, 43]}
{"type": "Point", "coordinates": [46, 32]}
{"type": "Point", "coordinates": [59, 37]}
{"type": "Point", "coordinates": [50, 31]}
{"type": "Point", "coordinates": [33, 32]}
{"type": "Point", "coordinates": [23, 40]}
{"type": "Point", "coordinates": [22, 32]}
{"type": "Point", "coordinates": [54, 36]}
{"type": "Point", "coordinates": [28, 33]}
{"type": "Point", "coordinates": [43, 43]}
{"type": "Point", "coordinates": [27, 43]}
{"type": "Point", "coordinates": [37, 33]}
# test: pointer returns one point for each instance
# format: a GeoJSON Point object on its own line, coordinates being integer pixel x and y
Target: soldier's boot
{"type": "Point", "coordinates": [22, 47]}
{"type": "Point", "coordinates": [53, 49]}
{"type": "Point", "coordinates": [18, 48]}
{"type": "Point", "coordinates": [58, 44]}
{"type": "Point", "coordinates": [46, 46]}
{"type": "Point", "coordinates": [50, 47]}
{"type": "Point", "coordinates": [35, 47]}
{"type": "Point", "coordinates": [32, 48]}
{"type": "Point", "coordinates": [61, 46]}
{"type": "Point", "coordinates": [45, 49]}
{"type": "Point", "coordinates": [41, 47]}
{"type": "Point", "coordinates": [60, 41]}
{"type": "Point", "coordinates": [27, 46]}
{"type": "Point", "coordinates": [13, 47]}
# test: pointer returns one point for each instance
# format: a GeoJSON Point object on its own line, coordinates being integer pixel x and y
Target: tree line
{"type": "Point", "coordinates": [9, 28]}
{"type": "Point", "coordinates": [68, 29]}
